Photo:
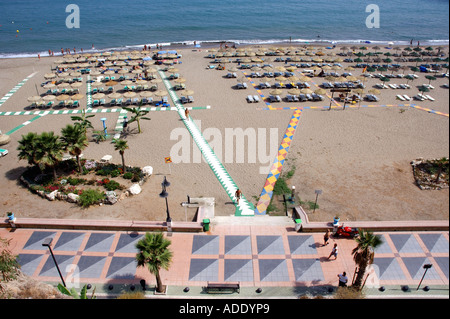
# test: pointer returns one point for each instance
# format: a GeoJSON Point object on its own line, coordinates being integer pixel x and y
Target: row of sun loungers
{"type": "Point", "coordinates": [295, 98]}
{"type": "Point", "coordinates": [422, 97]}
{"type": "Point", "coordinates": [49, 105]}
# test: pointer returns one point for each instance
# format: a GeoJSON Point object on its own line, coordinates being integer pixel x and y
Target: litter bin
{"type": "Point", "coordinates": [206, 223]}
{"type": "Point", "coordinates": [298, 225]}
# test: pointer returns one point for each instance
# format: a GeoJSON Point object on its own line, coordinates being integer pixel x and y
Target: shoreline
{"type": "Point", "coordinates": [207, 44]}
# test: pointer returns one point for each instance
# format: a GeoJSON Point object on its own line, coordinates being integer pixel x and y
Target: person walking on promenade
{"type": "Point", "coordinates": [326, 237]}
{"type": "Point", "coordinates": [343, 279]}
{"type": "Point", "coordinates": [238, 195]}
{"type": "Point", "coordinates": [334, 252]}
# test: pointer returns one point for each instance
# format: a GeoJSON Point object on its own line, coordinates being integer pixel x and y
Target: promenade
{"type": "Point", "coordinates": [258, 252]}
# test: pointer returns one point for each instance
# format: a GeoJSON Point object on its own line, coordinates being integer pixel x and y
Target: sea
{"type": "Point", "coordinates": [31, 27]}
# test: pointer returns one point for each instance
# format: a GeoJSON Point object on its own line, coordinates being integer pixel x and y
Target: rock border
{"type": "Point", "coordinates": [111, 196]}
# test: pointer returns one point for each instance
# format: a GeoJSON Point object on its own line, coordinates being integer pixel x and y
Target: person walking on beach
{"type": "Point", "coordinates": [326, 237]}
{"type": "Point", "coordinates": [186, 113]}
{"type": "Point", "coordinates": [125, 124]}
{"type": "Point", "coordinates": [343, 279]}
{"type": "Point", "coordinates": [238, 195]}
{"type": "Point", "coordinates": [334, 252]}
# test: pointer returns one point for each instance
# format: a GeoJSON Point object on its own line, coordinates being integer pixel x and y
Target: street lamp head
{"type": "Point", "coordinates": [164, 194]}
{"type": "Point", "coordinates": [47, 242]}
{"type": "Point", "coordinates": [166, 182]}
{"type": "Point", "coordinates": [427, 266]}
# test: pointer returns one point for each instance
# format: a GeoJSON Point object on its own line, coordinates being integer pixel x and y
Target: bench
{"type": "Point", "coordinates": [222, 288]}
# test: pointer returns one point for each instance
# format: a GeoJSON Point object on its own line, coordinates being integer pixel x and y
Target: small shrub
{"type": "Point", "coordinates": [91, 197]}
{"type": "Point", "coordinates": [128, 175]}
{"type": "Point", "coordinates": [112, 185]}
{"type": "Point", "coordinates": [115, 173]}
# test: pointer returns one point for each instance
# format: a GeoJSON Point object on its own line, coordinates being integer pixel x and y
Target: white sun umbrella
{"type": "Point", "coordinates": [50, 76]}
{"type": "Point", "coordinates": [129, 95]}
{"type": "Point", "coordinates": [63, 85]}
{"type": "Point", "coordinates": [141, 82]}
{"type": "Point", "coordinates": [95, 72]}
{"type": "Point", "coordinates": [49, 86]}
{"type": "Point", "coordinates": [98, 96]}
{"type": "Point", "coordinates": [76, 85]}
{"type": "Point", "coordinates": [126, 82]}
{"type": "Point", "coordinates": [97, 84]}
{"type": "Point", "coordinates": [34, 98]}
{"type": "Point", "coordinates": [49, 97]}
{"type": "Point", "coordinates": [146, 94]}
{"type": "Point", "coordinates": [187, 92]}
{"type": "Point", "coordinates": [115, 95]}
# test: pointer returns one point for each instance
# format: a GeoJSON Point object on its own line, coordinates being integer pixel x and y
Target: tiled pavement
{"type": "Point", "coordinates": [274, 258]}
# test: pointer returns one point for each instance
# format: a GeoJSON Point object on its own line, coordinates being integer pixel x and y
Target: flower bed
{"type": "Point", "coordinates": [431, 174]}
{"type": "Point", "coordinates": [97, 184]}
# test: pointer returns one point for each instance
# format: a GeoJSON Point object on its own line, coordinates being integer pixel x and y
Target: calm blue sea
{"type": "Point", "coordinates": [31, 26]}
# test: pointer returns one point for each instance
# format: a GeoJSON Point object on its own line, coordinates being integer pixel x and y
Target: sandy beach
{"type": "Point", "coordinates": [359, 157]}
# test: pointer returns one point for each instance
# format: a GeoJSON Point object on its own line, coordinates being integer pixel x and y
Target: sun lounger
{"type": "Point", "coordinates": [128, 102]}
{"type": "Point", "coordinates": [419, 97]}
{"type": "Point", "coordinates": [76, 104]}
{"type": "Point", "coordinates": [400, 97]}
{"type": "Point", "coordinates": [119, 102]}
{"type": "Point", "coordinates": [250, 99]}
{"type": "Point", "coordinates": [256, 98]}
{"type": "Point", "coordinates": [69, 103]}
{"type": "Point", "coordinates": [430, 98]}
{"type": "Point", "coordinates": [289, 98]}
{"type": "Point", "coordinates": [302, 98]}
{"type": "Point", "coordinates": [3, 152]}
{"type": "Point", "coordinates": [407, 97]}
{"type": "Point", "coordinates": [95, 103]}
{"type": "Point", "coordinates": [190, 99]}
{"type": "Point", "coordinates": [183, 100]}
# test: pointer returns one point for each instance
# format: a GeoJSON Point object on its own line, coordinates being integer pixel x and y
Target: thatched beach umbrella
{"type": "Point", "coordinates": [146, 94]}
{"type": "Point", "coordinates": [294, 91]}
{"type": "Point", "coordinates": [49, 97]}
{"type": "Point", "coordinates": [50, 76]}
{"type": "Point", "coordinates": [115, 95]}
{"type": "Point", "coordinates": [98, 96]}
{"type": "Point", "coordinates": [187, 92]}
{"type": "Point", "coordinates": [63, 97]}
{"type": "Point", "coordinates": [276, 92]}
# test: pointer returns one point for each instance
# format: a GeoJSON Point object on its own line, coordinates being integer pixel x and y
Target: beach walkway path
{"type": "Point", "coordinates": [244, 208]}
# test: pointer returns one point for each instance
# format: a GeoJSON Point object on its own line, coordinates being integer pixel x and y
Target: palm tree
{"type": "Point", "coordinates": [120, 145]}
{"type": "Point", "coordinates": [83, 121]}
{"type": "Point", "coordinates": [49, 151]}
{"type": "Point", "coordinates": [75, 141]}
{"type": "Point", "coordinates": [364, 253]}
{"type": "Point", "coordinates": [27, 148]}
{"type": "Point", "coordinates": [154, 252]}
{"type": "Point", "coordinates": [138, 114]}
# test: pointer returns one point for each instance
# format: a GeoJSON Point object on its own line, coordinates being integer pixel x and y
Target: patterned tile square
{"type": "Point", "coordinates": [127, 243]}
{"type": "Point", "coordinates": [205, 245]}
{"type": "Point", "coordinates": [273, 270]}
{"type": "Point", "coordinates": [122, 268]}
{"type": "Point", "coordinates": [99, 242]}
{"type": "Point", "coordinates": [36, 239]}
{"type": "Point", "coordinates": [270, 245]}
{"type": "Point", "coordinates": [238, 245]}
{"type": "Point", "coordinates": [204, 270]}
{"type": "Point", "coordinates": [29, 262]}
{"type": "Point", "coordinates": [388, 269]}
{"type": "Point", "coordinates": [91, 266]}
{"type": "Point", "coordinates": [302, 245]}
{"type": "Point", "coordinates": [308, 270]}
{"type": "Point", "coordinates": [69, 241]}
{"type": "Point", "coordinates": [238, 270]}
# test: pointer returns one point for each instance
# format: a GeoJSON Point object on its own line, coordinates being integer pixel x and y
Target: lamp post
{"type": "Point", "coordinates": [47, 243]}
{"type": "Point", "coordinates": [318, 192]}
{"type": "Point", "coordinates": [104, 125]}
{"type": "Point", "coordinates": [164, 194]}
{"type": "Point", "coordinates": [426, 267]}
